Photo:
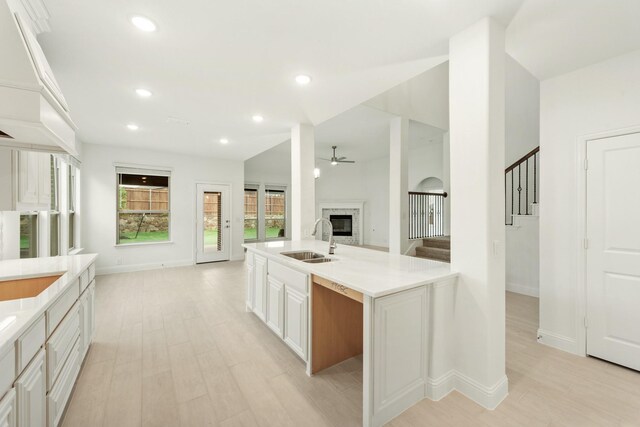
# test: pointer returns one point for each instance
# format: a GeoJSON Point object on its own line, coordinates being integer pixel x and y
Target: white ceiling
{"type": "Point", "coordinates": [553, 37]}
{"type": "Point", "coordinates": [215, 64]}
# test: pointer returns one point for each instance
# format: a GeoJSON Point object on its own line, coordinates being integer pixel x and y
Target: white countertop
{"type": "Point", "coordinates": [17, 315]}
{"type": "Point", "coordinates": [374, 273]}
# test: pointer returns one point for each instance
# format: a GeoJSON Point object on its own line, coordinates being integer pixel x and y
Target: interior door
{"type": "Point", "coordinates": [613, 255]}
{"type": "Point", "coordinates": [213, 225]}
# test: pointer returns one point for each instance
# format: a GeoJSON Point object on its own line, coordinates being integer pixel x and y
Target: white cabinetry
{"type": "Point", "coordinates": [274, 315]}
{"type": "Point", "coordinates": [251, 281]}
{"type": "Point", "coordinates": [34, 181]}
{"type": "Point", "coordinates": [31, 391]}
{"type": "Point", "coordinates": [87, 317]}
{"type": "Point", "coordinates": [8, 410]}
{"type": "Point", "coordinates": [260, 300]}
{"type": "Point", "coordinates": [295, 326]}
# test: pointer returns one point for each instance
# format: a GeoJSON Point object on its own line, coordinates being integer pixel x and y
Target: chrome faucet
{"type": "Point", "coordinates": [332, 243]}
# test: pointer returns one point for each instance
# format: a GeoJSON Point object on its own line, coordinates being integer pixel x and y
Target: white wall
{"type": "Point", "coordinates": [6, 179]}
{"type": "Point", "coordinates": [424, 98]}
{"type": "Point", "coordinates": [425, 161]}
{"type": "Point", "coordinates": [598, 98]}
{"type": "Point", "coordinates": [364, 180]}
{"type": "Point", "coordinates": [98, 200]}
{"type": "Point", "coordinates": [522, 115]}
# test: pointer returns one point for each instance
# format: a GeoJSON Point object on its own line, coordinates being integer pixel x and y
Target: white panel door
{"type": "Point", "coordinates": [613, 257]}
{"type": "Point", "coordinates": [260, 298]}
{"type": "Point", "coordinates": [31, 388]}
{"type": "Point", "coordinates": [296, 306]}
{"type": "Point", "coordinates": [8, 409]}
{"type": "Point", "coordinates": [274, 318]}
{"type": "Point", "coordinates": [213, 223]}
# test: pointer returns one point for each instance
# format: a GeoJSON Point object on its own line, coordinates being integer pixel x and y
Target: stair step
{"type": "Point", "coordinates": [438, 254]}
{"type": "Point", "coordinates": [441, 242]}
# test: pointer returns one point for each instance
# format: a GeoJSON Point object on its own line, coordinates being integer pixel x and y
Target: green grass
{"type": "Point", "coordinates": [24, 242]}
{"type": "Point", "coordinates": [210, 236]}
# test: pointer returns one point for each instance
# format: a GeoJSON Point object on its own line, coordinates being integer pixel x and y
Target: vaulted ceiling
{"type": "Point", "coordinates": [215, 64]}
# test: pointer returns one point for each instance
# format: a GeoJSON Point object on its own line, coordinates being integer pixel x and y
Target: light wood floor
{"type": "Point", "coordinates": [175, 347]}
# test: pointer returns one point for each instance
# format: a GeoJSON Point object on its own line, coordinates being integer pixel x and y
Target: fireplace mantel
{"type": "Point", "coordinates": [346, 205]}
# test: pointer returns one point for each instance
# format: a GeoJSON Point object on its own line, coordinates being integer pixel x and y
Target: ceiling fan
{"type": "Point", "coordinates": [335, 160]}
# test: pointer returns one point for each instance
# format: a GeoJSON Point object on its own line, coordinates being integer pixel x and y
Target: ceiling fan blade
{"type": "Point", "coordinates": [321, 158]}
{"type": "Point", "coordinates": [341, 158]}
{"type": "Point", "coordinates": [346, 161]}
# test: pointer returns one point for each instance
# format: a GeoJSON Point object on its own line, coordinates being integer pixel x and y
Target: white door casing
{"type": "Point", "coordinates": [213, 222]}
{"type": "Point", "coordinates": [613, 254]}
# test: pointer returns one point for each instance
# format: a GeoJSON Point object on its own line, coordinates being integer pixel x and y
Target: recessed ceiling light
{"type": "Point", "coordinates": [224, 141]}
{"type": "Point", "coordinates": [258, 118]}
{"type": "Point", "coordinates": [132, 126]}
{"type": "Point", "coordinates": [303, 79]}
{"type": "Point", "coordinates": [143, 93]}
{"type": "Point", "coordinates": [143, 24]}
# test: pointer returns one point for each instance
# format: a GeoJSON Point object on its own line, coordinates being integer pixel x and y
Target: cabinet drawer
{"type": "Point", "coordinates": [61, 343]}
{"type": "Point", "coordinates": [92, 272]}
{"type": "Point", "coordinates": [29, 343]}
{"type": "Point", "coordinates": [7, 370]}
{"type": "Point", "coordinates": [84, 280]}
{"type": "Point", "coordinates": [59, 395]}
{"type": "Point", "coordinates": [59, 309]}
{"type": "Point", "coordinates": [290, 277]}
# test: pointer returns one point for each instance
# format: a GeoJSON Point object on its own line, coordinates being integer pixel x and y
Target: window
{"type": "Point", "coordinates": [143, 206]}
{"type": "Point", "coordinates": [72, 206]}
{"type": "Point", "coordinates": [275, 213]}
{"type": "Point", "coordinates": [29, 235]}
{"type": "Point", "coordinates": [54, 213]}
{"type": "Point", "coordinates": [250, 214]}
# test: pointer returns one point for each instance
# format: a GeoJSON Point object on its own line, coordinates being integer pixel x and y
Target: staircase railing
{"type": "Point", "coordinates": [426, 214]}
{"type": "Point", "coordinates": [521, 185]}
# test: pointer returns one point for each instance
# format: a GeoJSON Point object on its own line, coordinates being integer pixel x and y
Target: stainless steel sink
{"type": "Point", "coordinates": [303, 255]}
{"type": "Point", "coordinates": [317, 260]}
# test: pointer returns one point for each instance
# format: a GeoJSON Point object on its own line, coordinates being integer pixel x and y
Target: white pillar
{"type": "Point", "coordinates": [446, 184]}
{"type": "Point", "coordinates": [477, 129]}
{"type": "Point", "coordinates": [398, 185]}
{"type": "Point", "coordinates": [303, 188]}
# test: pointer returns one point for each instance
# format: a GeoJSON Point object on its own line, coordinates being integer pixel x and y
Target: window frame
{"type": "Point", "coordinates": [148, 171]}
{"type": "Point", "coordinates": [34, 236]}
{"type": "Point", "coordinates": [256, 189]}
{"type": "Point", "coordinates": [71, 206]}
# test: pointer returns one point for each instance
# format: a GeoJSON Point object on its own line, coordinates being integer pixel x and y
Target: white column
{"type": "Point", "coordinates": [398, 185]}
{"type": "Point", "coordinates": [303, 197]}
{"type": "Point", "coordinates": [477, 132]}
{"type": "Point", "coordinates": [446, 183]}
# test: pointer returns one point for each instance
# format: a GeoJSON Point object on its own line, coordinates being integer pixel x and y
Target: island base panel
{"type": "Point", "coordinates": [336, 328]}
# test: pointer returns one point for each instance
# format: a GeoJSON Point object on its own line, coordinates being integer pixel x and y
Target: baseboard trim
{"type": "Point", "coordinates": [488, 397]}
{"type": "Point", "coordinates": [523, 290]}
{"type": "Point", "coordinates": [437, 388]}
{"type": "Point", "coordinates": [570, 345]}
{"type": "Point", "coordinates": [129, 268]}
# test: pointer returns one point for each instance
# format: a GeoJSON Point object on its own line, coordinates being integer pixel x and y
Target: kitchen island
{"type": "Point", "coordinates": [46, 327]}
{"type": "Point", "coordinates": [329, 308]}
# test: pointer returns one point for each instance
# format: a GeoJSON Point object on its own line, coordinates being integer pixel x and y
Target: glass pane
{"type": "Point", "coordinates": [212, 219]}
{"type": "Point", "coordinates": [250, 214]}
{"type": "Point", "coordinates": [143, 227]}
{"type": "Point", "coordinates": [275, 212]}
{"type": "Point", "coordinates": [72, 229]}
{"type": "Point", "coordinates": [28, 236]}
{"type": "Point", "coordinates": [275, 228]}
{"type": "Point", "coordinates": [143, 193]}
{"type": "Point", "coordinates": [54, 245]}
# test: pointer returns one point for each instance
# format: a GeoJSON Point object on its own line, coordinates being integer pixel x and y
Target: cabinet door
{"type": "Point", "coordinates": [92, 311]}
{"type": "Point", "coordinates": [275, 297]}
{"type": "Point", "coordinates": [259, 306]}
{"type": "Point", "coordinates": [85, 323]}
{"type": "Point", "coordinates": [30, 393]}
{"type": "Point", "coordinates": [295, 320]}
{"type": "Point", "coordinates": [27, 177]}
{"type": "Point", "coordinates": [44, 179]}
{"type": "Point", "coordinates": [251, 285]}
{"type": "Point", "coordinates": [8, 409]}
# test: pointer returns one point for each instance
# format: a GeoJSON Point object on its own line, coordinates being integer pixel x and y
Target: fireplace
{"type": "Point", "coordinates": [342, 224]}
